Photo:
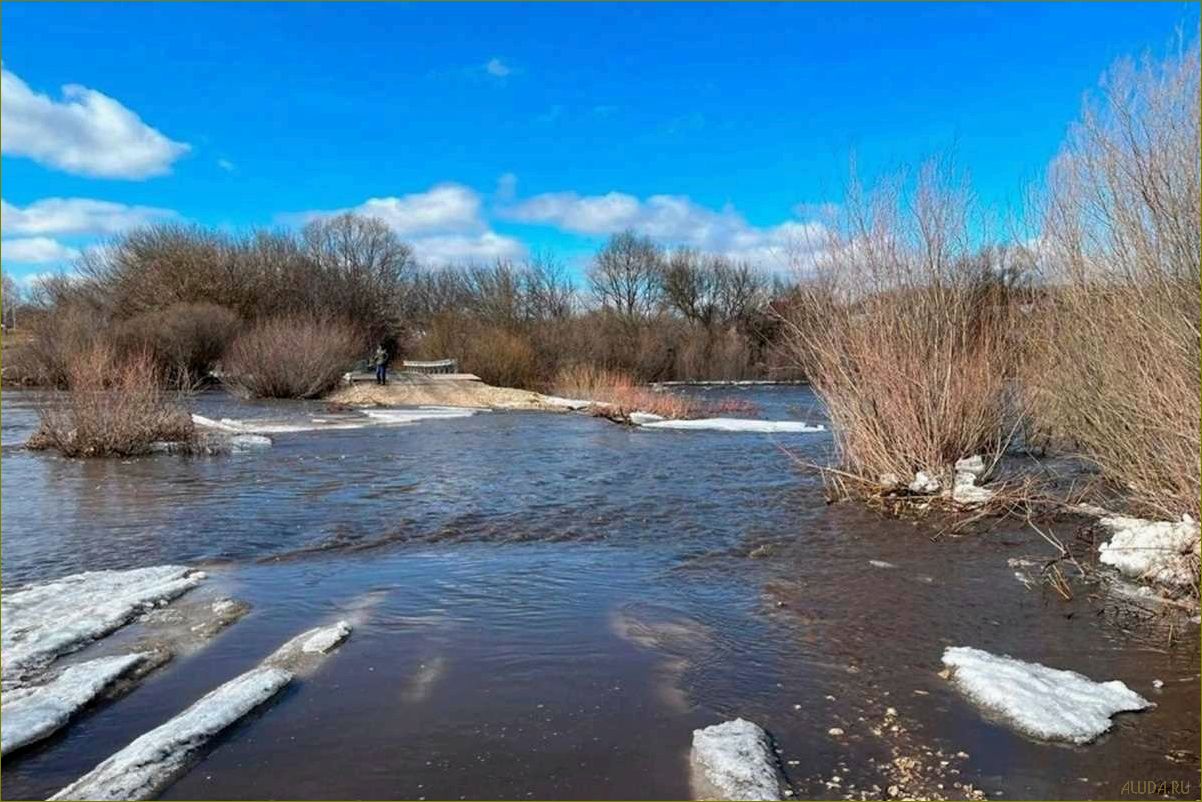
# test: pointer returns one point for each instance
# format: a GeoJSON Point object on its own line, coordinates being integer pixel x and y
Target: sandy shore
{"type": "Point", "coordinates": [458, 390]}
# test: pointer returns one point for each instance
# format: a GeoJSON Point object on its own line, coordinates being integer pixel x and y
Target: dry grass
{"type": "Point", "coordinates": [114, 407]}
{"type": "Point", "coordinates": [291, 357]}
{"type": "Point", "coordinates": [619, 390]}
{"type": "Point", "coordinates": [1118, 375]}
{"type": "Point", "coordinates": [905, 332]}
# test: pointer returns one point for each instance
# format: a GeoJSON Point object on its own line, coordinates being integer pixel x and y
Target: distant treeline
{"type": "Point", "coordinates": [185, 294]}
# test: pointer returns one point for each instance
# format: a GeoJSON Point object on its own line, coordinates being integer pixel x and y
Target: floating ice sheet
{"type": "Point", "coordinates": [734, 760]}
{"type": "Point", "coordinates": [1044, 702]}
{"type": "Point", "coordinates": [44, 621]}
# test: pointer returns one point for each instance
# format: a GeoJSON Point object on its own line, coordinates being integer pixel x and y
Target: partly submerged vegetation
{"type": "Point", "coordinates": [927, 350]}
{"type": "Point", "coordinates": [114, 406]}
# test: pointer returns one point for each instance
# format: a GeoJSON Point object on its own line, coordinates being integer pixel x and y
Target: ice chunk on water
{"type": "Point", "coordinates": [924, 483]}
{"type": "Point", "coordinates": [1044, 702]}
{"type": "Point", "coordinates": [1164, 552]}
{"type": "Point", "coordinates": [298, 653]}
{"type": "Point", "coordinates": [403, 416]}
{"type": "Point", "coordinates": [734, 760]}
{"type": "Point", "coordinates": [31, 714]}
{"type": "Point", "coordinates": [43, 621]}
{"type": "Point", "coordinates": [151, 762]}
{"type": "Point", "coordinates": [735, 425]}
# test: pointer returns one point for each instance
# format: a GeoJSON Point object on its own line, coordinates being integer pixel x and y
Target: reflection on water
{"type": "Point", "coordinates": [546, 605]}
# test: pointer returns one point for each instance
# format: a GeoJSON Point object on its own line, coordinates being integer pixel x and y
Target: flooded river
{"type": "Point", "coordinates": [546, 606]}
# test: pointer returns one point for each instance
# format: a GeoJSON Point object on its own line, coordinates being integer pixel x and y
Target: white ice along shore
{"type": "Point", "coordinates": [1047, 703]}
{"type": "Point", "coordinates": [729, 425]}
{"type": "Point", "coordinates": [1161, 552]}
{"type": "Point", "coordinates": [154, 760]}
{"type": "Point", "coordinates": [369, 417]}
{"type": "Point", "coordinates": [44, 621]}
{"type": "Point", "coordinates": [31, 714]}
{"type": "Point", "coordinates": [734, 760]}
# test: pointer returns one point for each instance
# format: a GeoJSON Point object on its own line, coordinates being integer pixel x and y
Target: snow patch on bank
{"type": "Point", "coordinates": [734, 760]}
{"type": "Point", "coordinates": [151, 762]}
{"type": "Point", "coordinates": [44, 621]}
{"type": "Point", "coordinates": [734, 425]}
{"type": "Point", "coordinates": [1046, 703]}
{"type": "Point", "coordinates": [571, 404]}
{"type": "Point", "coordinates": [31, 714]}
{"type": "Point", "coordinates": [965, 491]}
{"type": "Point", "coordinates": [1162, 552]}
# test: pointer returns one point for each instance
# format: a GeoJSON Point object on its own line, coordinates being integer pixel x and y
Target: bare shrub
{"type": "Point", "coordinates": [1118, 374]}
{"type": "Point", "coordinates": [186, 339]}
{"type": "Point", "coordinates": [56, 337]}
{"type": "Point", "coordinates": [114, 407]}
{"type": "Point", "coordinates": [905, 333]}
{"type": "Point", "coordinates": [617, 389]}
{"type": "Point", "coordinates": [292, 357]}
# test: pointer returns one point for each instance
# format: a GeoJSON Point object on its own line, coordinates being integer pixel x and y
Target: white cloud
{"type": "Point", "coordinates": [86, 133]}
{"type": "Point", "coordinates": [672, 220]}
{"type": "Point", "coordinates": [444, 208]}
{"type": "Point", "coordinates": [35, 250]}
{"type": "Point", "coordinates": [444, 223]}
{"type": "Point", "coordinates": [482, 247]}
{"type": "Point", "coordinates": [498, 68]}
{"type": "Point", "coordinates": [227, 165]}
{"type": "Point", "coordinates": [76, 216]}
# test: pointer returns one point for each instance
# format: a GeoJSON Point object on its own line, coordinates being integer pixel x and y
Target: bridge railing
{"type": "Point", "coordinates": [430, 366]}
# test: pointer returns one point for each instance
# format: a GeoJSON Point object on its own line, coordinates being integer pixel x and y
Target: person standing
{"type": "Point", "coordinates": [381, 361]}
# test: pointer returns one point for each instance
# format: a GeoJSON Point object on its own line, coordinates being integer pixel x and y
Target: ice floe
{"type": "Point", "coordinates": [303, 652]}
{"type": "Point", "coordinates": [405, 416]}
{"type": "Point", "coordinates": [44, 621]}
{"type": "Point", "coordinates": [33, 713]}
{"type": "Point", "coordinates": [1043, 702]}
{"type": "Point", "coordinates": [1163, 552]}
{"type": "Point", "coordinates": [735, 425]}
{"type": "Point", "coordinates": [370, 417]}
{"type": "Point", "coordinates": [154, 760]}
{"type": "Point", "coordinates": [734, 760]}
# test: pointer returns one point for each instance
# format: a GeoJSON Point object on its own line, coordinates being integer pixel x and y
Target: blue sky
{"type": "Point", "coordinates": [495, 130]}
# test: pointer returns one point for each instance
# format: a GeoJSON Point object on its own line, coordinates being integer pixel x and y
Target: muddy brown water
{"type": "Point", "coordinates": [546, 606]}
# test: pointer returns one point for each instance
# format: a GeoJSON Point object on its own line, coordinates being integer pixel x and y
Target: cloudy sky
{"type": "Point", "coordinates": [482, 131]}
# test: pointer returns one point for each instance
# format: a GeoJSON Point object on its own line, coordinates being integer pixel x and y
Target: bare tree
{"type": "Point", "coordinates": [550, 294]}
{"type": "Point", "coordinates": [365, 263]}
{"type": "Point", "coordinates": [712, 290]}
{"type": "Point", "coordinates": [625, 275]}
{"type": "Point", "coordinates": [10, 295]}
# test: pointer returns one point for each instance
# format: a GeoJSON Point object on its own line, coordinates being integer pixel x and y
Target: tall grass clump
{"type": "Point", "coordinates": [905, 329]}
{"type": "Point", "coordinates": [619, 391]}
{"type": "Point", "coordinates": [296, 356]}
{"type": "Point", "coordinates": [1118, 376]}
{"type": "Point", "coordinates": [114, 407]}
